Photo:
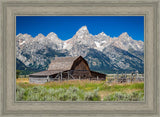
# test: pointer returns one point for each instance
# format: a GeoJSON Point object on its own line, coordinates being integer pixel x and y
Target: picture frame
{"type": "Point", "coordinates": [10, 9]}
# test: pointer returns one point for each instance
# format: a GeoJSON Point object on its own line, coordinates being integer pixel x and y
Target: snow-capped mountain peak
{"type": "Point", "coordinates": [27, 35]}
{"type": "Point", "coordinates": [82, 31]}
{"type": "Point", "coordinates": [53, 36]}
{"type": "Point", "coordinates": [116, 51]}
{"type": "Point", "coordinates": [40, 36]}
{"type": "Point", "coordinates": [124, 35]}
{"type": "Point", "coordinates": [20, 34]}
{"type": "Point", "coordinates": [102, 34]}
{"type": "Point", "coordinates": [83, 28]}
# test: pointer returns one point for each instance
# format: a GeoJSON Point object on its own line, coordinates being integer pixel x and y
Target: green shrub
{"type": "Point", "coordinates": [92, 96]}
{"type": "Point", "coordinates": [40, 93]}
{"type": "Point", "coordinates": [88, 92]}
{"type": "Point", "coordinates": [20, 93]}
{"type": "Point", "coordinates": [118, 96]}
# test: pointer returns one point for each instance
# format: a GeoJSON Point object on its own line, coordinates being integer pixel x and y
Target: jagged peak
{"type": "Point", "coordinates": [83, 29]}
{"type": "Point", "coordinates": [51, 34]}
{"type": "Point", "coordinates": [26, 35]}
{"type": "Point", "coordinates": [40, 35]}
{"type": "Point", "coordinates": [140, 41]}
{"type": "Point", "coordinates": [102, 33]}
{"type": "Point", "coordinates": [124, 34]}
{"type": "Point", "coordinates": [20, 34]}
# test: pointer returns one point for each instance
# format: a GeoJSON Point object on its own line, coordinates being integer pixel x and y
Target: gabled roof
{"type": "Point", "coordinates": [62, 63]}
{"type": "Point", "coordinates": [45, 73]}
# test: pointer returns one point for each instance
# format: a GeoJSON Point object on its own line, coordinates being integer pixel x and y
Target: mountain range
{"type": "Point", "coordinates": [103, 53]}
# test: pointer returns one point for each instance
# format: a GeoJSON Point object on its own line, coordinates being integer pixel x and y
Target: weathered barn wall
{"type": "Point", "coordinates": [98, 76]}
{"type": "Point", "coordinates": [80, 69]}
{"type": "Point", "coordinates": [80, 64]}
{"type": "Point", "coordinates": [36, 80]}
{"type": "Point", "coordinates": [81, 74]}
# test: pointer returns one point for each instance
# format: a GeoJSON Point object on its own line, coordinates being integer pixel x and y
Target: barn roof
{"type": "Point", "coordinates": [57, 65]}
{"type": "Point", "coordinates": [45, 73]}
{"type": "Point", "coordinates": [62, 63]}
{"type": "Point", "coordinates": [97, 73]}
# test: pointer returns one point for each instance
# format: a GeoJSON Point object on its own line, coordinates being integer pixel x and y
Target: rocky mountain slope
{"type": "Point", "coordinates": [103, 53]}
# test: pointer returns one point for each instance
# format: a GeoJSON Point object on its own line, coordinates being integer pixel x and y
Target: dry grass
{"type": "Point", "coordinates": [87, 85]}
{"type": "Point", "coordinates": [107, 93]}
{"type": "Point", "coordinates": [73, 82]}
{"type": "Point", "coordinates": [22, 80]}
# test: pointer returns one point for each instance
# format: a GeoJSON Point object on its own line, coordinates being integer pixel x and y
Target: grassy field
{"type": "Point", "coordinates": [78, 90]}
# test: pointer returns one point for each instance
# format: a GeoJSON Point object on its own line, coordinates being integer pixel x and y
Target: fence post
{"type": "Point", "coordinates": [47, 78]}
{"type": "Point", "coordinates": [131, 77]}
{"type": "Point", "coordinates": [61, 76]}
{"type": "Point", "coordinates": [125, 75]}
{"type": "Point", "coordinates": [68, 75]}
{"type": "Point", "coordinates": [117, 77]}
{"type": "Point", "coordinates": [136, 75]}
{"type": "Point", "coordinates": [114, 78]}
{"type": "Point", "coordinates": [97, 78]}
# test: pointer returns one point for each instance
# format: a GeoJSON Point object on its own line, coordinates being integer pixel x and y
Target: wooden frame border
{"type": "Point", "coordinates": [10, 9]}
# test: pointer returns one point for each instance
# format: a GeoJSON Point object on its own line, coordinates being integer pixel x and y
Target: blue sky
{"type": "Point", "coordinates": [66, 26]}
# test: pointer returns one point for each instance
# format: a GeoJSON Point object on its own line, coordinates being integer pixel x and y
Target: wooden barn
{"type": "Point", "coordinates": [66, 68]}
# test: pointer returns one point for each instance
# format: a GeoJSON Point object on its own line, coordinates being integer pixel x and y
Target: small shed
{"type": "Point", "coordinates": [66, 68]}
